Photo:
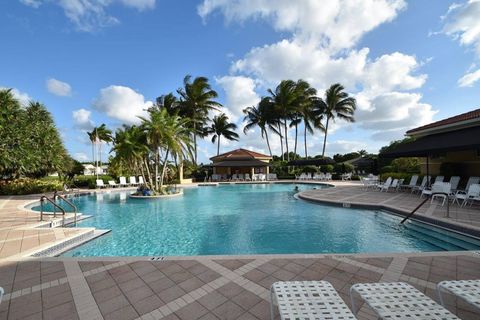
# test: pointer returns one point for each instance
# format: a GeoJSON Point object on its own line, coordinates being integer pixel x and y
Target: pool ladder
{"type": "Point", "coordinates": [57, 206]}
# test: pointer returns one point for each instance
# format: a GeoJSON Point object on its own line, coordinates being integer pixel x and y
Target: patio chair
{"type": "Point", "coordinates": [470, 195]}
{"type": "Point", "coordinates": [309, 176]}
{"type": "Point", "coordinates": [133, 181]}
{"type": "Point", "coordinates": [395, 185]}
{"type": "Point", "coordinates": [422, 185]}
{"type": "Point", "coordinates": [140, 180]}
{"type": "Point", "coordinates": [241, 177]}
{"type": "Point", "coordinates": [347, 176]}
{"type": "Point", "coordinates": [301, 300]}
{"type": "Point", "coordinates": [454, 181]}
{"type": "Point", "coordinates": [247, 177]}
{"type": "Point", "coordinates": [100, 184]}
{"type": "Point", "coordinates": [328, 176]}
{"type": "Point", "coordinates": [466, 290]}
{"type": "Point", "coordinates": [411, 184]}
{"type": "Point", "coordinates": [438, 179]}
{"type": "Point", "coordinates": [385, 185]}
{"type": "Point", "coordinates": [443, 187]}
{"type": "Point", "coordinates": [272, 176]}
{"type": "Point", "coordinates": [112, 183]}
{"type": "Point", "coordinates": [471, 180]}
{"type": "Point", "coordinates": [398, 300]}
{"type": "Point", "coordinates": [123, 182]}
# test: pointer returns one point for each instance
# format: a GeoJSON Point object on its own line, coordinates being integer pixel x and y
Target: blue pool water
{"type": "Point", "coordinates": [239, 219]}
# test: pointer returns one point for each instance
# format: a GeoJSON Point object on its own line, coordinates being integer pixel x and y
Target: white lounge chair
{"type": "Point", "coordinates": [471, 180]}
{"type": "Point", "coordinates": [422, 185]}
{"type": "Point", "coordinates": [140, 180]}
{"type": "Point", "coordinates": [133, 181]}
{"type": "Point", "coordinates": [454, 181]}
{"type": "Point", "coordinates": [247, 177]}
{"type": "Point", "coordinates": [328, 176]}
{"type": "Point", "coordinates": [347, 176]}
{"type": "Point", "coordinates": [395, 185]}
{"type": "Point", "coordinates": [100, 183]}
{"type": "Point", "coordinates": [272, 176]}
{"type": "Point", "coordinates": [411, 184]}
{"type": "Point", "coordinates": [473, 192]}
{"type": "Point", "coordinates": [398, 300]}
{"type": "Point", "coordinates": [234, 177]}
{"type": "Point", "coordinates": [112, 183]}
{"type": "Point", "coordinates": [302, 300]}
{"type": "Point", "coordinates": [123, 182]}
{"type": "Point", "coordinates": [466, 290]}
{"type": "Point", "coordinates": [443, 187]}
{"type": "Point", "coordinates": [241, 177]}
{"type": "Point", "coordinates": [386, 184]}
{"type": "Point", "coordinates": [438, 179]}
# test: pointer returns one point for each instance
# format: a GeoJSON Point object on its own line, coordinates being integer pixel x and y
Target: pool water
{"type": "Point", "coordinates": [239, 219]}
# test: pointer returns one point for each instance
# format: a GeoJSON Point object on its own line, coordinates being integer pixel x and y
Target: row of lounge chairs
{"type": "Point", "coordinates": [439, 189]}
{"type": "Point", "coordinates": [244, 177]}
{"type": "Point", "coordinates": [132, 182]}
{"type": "Point", "coordinates": [317, 176]}
{"type": "Point", "coordinates": [302, 300]}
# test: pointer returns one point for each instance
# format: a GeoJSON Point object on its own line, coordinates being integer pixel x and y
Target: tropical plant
{"type": "Point", "coordinates": [222, 127]}
{"type": "Point", "coordinates": [197, 98]}
{"type": "Point", "coordinates": [30, 144]}
{"type": "Point", "coordinates": [104, 135]}
{"type": "Point", "coordinates": [168, 102]}
{"type": "Point", "coordinates": [337, 104]}
{"type": "Point", "coordinates": [284, 99]}
{"type": "Point", "coordinates": [262, 116]}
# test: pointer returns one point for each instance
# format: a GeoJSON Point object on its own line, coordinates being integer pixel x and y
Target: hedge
{"type": "Point", "coordinates": [29, 186]}
{"type": "Point", "coordinates": [90, 181]}
{"type": "Point", "coordinates": [398, 175]}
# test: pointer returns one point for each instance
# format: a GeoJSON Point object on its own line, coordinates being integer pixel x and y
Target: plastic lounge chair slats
{"type": "Point", "coordinates": [467, 290]}
{"type": "Point", "coordinates": [299, 300]}
{"type": "Point", "coordinates": [399, 300]}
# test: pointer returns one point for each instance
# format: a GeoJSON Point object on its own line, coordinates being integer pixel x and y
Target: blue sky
{"type": "Point", "coordinates": [103, 61]}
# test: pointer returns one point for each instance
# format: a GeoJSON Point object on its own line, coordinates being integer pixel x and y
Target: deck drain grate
{"type": "Point", "coordinates": [161, 258]}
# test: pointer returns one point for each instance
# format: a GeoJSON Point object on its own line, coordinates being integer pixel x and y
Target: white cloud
{"type": "Point", "coordinates": [31, 3]}
{"type": "Point", "coordinates": [390, 114]}
{"type": "Point", "coordinates": [80, 156]}
{"type": "Point", "coordinates": [240, 94]}
{"type": "Point", "coordinates": [82, 119]}
{"type": "Point", "coordinates": [335, 24]}
{"type": "Point", "coordinates": [469, 79]}
{"type": "Point", "coordinates": [58, 88]}
{"type": "Point", "coordinates": [22, 97]}
{"type": "Point", "coordinates": [122, 103]}
{"type": "Point", "coordinates": [89, 15]}
{"type": "Point", "coordinates": [463, 23]}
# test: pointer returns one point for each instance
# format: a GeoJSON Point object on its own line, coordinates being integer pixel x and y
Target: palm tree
{"type": "Point", "coordinates": [284, 98]}
{"type": "Point", "coordinates": [262, 116]}
{"type": "Point", "coordinates": [312, 116]}
{"type": "Point", "coordinates": [196, 100]}
{"type": "Point", "coordinates": [103, 134]}
{"type": "Point", "coordinates": [169, 102]}
{"type": "Point", "coordinates": [221, 127]}
{"type": "Point", "coordinates": [337, 104]}
{"type": "Point", "coordinates": [93, 137]}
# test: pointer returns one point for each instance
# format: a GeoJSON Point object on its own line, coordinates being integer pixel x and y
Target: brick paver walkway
{"type": "Point", "coordinates": [203, 288]}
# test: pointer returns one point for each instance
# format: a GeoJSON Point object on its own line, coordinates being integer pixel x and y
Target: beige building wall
{"type": "Point", "coordinates": [468, 160]}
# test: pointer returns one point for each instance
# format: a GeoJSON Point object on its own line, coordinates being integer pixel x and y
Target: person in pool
{"type": "Point", "coordinates": [296, 189]}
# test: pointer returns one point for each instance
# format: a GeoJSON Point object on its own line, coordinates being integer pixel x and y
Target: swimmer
{"type": "Point", "coordinates": [296, 189]}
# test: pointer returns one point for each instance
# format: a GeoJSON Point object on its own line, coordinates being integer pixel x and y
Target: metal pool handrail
{"type": "Point", "coordinates": [75, 210]}
{"type": "Point", "coordinates": [42, 199]}
{"type": "Point", "coordinates": [423, 202]}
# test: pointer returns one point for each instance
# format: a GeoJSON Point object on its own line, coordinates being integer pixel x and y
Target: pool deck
{"type": "Point", "coordinates": [211, 287]}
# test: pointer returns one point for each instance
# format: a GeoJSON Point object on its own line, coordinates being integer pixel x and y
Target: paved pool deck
{"type": "Point", "coordinates": [208, 287]}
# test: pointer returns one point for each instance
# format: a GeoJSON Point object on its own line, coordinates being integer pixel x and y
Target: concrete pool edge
{"type": "Point", "coordinates": [470, 230]}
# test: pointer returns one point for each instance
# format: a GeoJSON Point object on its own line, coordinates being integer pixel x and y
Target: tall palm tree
{"type": "Point", "coordinates": [221, 127]}
{"type": "Point", "coordinates": [262, 116]}
{"type": "Point", "coordinates": [93, 137]}
{"type": "Point", "coordinates": [197, 98]}
{"type": "Point", "coordinates": [103, 134]}
{"type": "Point", "coordinates": [284, 98]}
{"type": "Point", "coordinates": [312, 116]}
{"type": "Point", "coordinates": [337, 104]}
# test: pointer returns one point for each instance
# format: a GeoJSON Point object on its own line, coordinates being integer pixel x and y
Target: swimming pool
{"type": "Point", "coordinates": [243, 219]}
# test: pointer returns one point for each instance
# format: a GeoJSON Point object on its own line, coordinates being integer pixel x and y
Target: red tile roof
{"type": "Point", "coordinates": [455, 119]}
{"type": "Point", "coordinates": [240, 154]}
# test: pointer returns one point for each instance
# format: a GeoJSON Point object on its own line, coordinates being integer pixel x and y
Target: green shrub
{"type": "Point", "coordinates": [29, 186]}
{"type": "Point", "coordinates": [327, 168]}
{"type": "Point", "coordinates": [90, 182]}
{"type": "Point", "coordinates": [309, 169]}
{"type": "Point", "coordinates": [397, 175]}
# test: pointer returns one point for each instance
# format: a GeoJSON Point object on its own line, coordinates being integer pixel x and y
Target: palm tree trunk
{"type": "Point", "coordinates": [305, 141]}
{"type": "Point", "coordinates": [100, 152]}
{"type": "Point", "coordinates": [296, 137]}
{"type": "Point", "coordinates": [157, 160]}
{"type": "Point", "coordinates": [218, 145]}
{"type": "Point", "coordinates": [286, 139]}
{"type": "Point", "coordinates": [268, 142]}
{"type": "Point", "coordinates": [281, 140]}
{"type": "Point", "coordinates": [150, 183]}
{"type": "Point", "coordinates": [325, 137]}
{"type": "Point", "coordinates": [93, 153]}
{"type": "Point", "coordinates": [164, 168]}
{"type": "Point", "coordinates": [195, 142]}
